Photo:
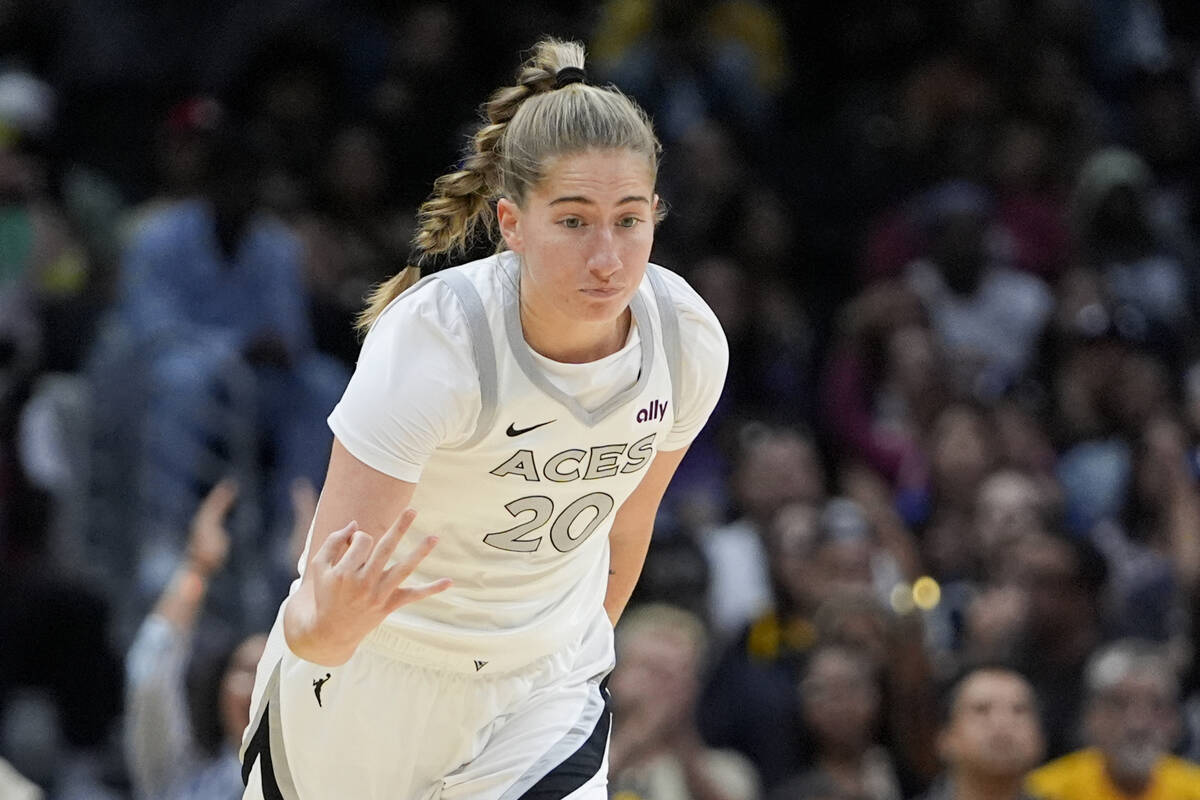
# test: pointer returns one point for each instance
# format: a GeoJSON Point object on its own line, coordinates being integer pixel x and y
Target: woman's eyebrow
{"type": "Point", "coordinates": [633, 198]}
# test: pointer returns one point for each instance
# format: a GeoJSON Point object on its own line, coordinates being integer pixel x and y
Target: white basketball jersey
{"type": "Point", "coordinates": [523, 509]}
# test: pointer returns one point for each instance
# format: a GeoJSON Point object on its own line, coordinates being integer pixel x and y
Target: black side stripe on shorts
{"type": "Point", "coordinates": [266, 747]}
{"type": "Point", "coordinates": [260, 749]}
{"type": "Point", "coordinates": [584, 746]}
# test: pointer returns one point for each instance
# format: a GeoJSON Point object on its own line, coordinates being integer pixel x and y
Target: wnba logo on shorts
{"type": "Point", "coordinates": [656, 410]}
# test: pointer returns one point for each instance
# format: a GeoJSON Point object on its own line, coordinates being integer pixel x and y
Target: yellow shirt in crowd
{"type": "Point", "coordinates": [1081, 776]}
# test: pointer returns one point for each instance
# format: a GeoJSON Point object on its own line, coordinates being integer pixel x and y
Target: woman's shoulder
{"type": "Point", "coordinates": [697, 322]}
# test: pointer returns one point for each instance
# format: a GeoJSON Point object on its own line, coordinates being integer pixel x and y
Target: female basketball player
{"type": "Point", "coordinates": [531, 407]}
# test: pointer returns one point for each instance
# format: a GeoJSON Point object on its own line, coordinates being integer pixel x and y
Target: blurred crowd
{"type": "Point", "coordinates": [940, 539]}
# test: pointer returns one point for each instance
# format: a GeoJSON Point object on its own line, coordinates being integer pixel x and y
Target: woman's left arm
{"type": "Point", "coordinates": [629, 538]}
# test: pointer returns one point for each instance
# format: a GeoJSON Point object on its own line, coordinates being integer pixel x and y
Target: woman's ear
{"type": "Point", "coordinates": [508, 215]}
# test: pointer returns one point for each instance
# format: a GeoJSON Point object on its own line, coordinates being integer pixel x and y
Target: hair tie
{"type": "Point", "coordinates": [425, 261]}
{"type": "Point", "coordinates": [569, 75]}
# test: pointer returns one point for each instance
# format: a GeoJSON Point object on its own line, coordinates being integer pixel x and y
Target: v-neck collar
{"type": "Point", "coordinates": [511, 270]}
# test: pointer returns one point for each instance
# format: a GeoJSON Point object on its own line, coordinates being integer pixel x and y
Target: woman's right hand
{"type": "Point", "coordinates": [348, 589]}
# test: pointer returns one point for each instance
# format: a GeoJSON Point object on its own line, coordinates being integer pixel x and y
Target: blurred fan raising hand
{"type": "Point", "coordinates": [208, 540]}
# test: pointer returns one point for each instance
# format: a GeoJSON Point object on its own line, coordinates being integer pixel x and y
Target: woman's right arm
{"type": "Point", "coordinates": [347, 588]}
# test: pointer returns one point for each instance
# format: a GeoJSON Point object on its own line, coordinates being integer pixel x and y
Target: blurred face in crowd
{"type": "Point", "coordinates": [790, 540]}
{"type": "Point", "coordinates": [844, 565]}
{"type": "Point", "coordinates": [1139, 389]}
{"type": "Point", "coordinates": [858, 621]}
{"type": "Point", "coordinates": [657, 674]}
{"type": "Point", "coordinates": [776, 469]}
{"type": "Point", "coordinates": [1047, 569]}
{"type": "Point", "coordinates": [840, 700]}
{"type": "Point", "coordinates": [961, 453]}
{"type": "Point", "coordinates": [993, 730]}
{"type": "Point", "coordinates": [237, 686]}
{"type": "Point", "coordinates": [1134, 723]}
{"type": "Point", "coordinates": [1007, 508]}
{"type": "Point", "coordinates": [912, 360]}
{"type": "Point", "coordinates": [1023, 442]}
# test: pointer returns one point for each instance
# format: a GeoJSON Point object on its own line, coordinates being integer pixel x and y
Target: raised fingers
{"type": "Point", "coordinates": [403, 595]}
{"type": "Point", "coordinates": [357, 553]}
{"type": "Point", "coordinates": [220, 498]}
{"type": "Point", "coordinates": [394, 575]}
{"type": "Point", "coordinates": [387, 543]}
{"type": "Point", "coordinates": [335, 545]}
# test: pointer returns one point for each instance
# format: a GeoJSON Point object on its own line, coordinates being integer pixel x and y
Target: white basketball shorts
{"type": "Point", "coordinates": [404, 725]}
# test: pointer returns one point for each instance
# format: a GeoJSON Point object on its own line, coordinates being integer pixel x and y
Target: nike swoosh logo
{"type": "Point", "coordinates": [513, 430]}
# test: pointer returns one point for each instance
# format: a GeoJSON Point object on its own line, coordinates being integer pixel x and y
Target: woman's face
{"type": "Point", "coordinates": [840, 699]}
{"type": "Point", "coordinates": [584, 235]}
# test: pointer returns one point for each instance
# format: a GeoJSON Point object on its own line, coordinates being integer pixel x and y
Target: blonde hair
{"type": "Point", "coordinates": [658, 618]}
{"type": "Point", "coordinates": [525, 126]}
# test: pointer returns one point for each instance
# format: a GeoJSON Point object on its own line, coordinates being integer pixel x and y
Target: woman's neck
{"type": "Point", "coordinates": [572, 341]}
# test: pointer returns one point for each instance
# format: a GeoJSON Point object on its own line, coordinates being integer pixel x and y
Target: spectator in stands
{"type": "Point", "coordinates": [56, 650]}
{"type": "Point", "coordinates": [182, 142]}
{"type": "Point", "coordinates": [749, 702]}
{"type": "Point", "coordinates": [685, 62]}
{"type": "Point", "coordinates": [212, 291]}
{"type": "Point", "coordinates": [774, 466]}
{"type": "Point", "coordinates": [883, 384]}
{"type": "Point", "coordinates": [987, 315]}
{"type": "Point", "coordinates": [1029, 205]}
{"type": "Point", "coordinates": [770, 339]}
{"type": "Point", "coordinates": [675, 573]}
{"type": "Point", "coordinates": [1107, 386]}
{"type": "Point", "coordinates": [771, 342]}
{"type": "Point", "coordinates": [840, 697]}
{"type": "Point", "coordinates": [1151, 547]}
{"type": "Point", "coordinates": [1146, 283]}
{"type": "Point", "coordinates": [45, 272]}
{"type": "Point", "coordinates": [170, 756]}
{"type": "Point", "coordinates": [1044, 614]}
{"type": "Point", "coordinates": [814, 559]}
{"type": "Point", "coordinates": [990, 738]}
{"type": "Point", "coordinates": [1009, 505]}
{"type": "Point", "coordinates": [656, 752]}
{"type": "Point", "coordinates": [353, 236]}
{"type": "Point", "coordinates": [959, 451]}
{"type": "Point", "coordinates": [894, 644]}
{"type": "Point", "coordinates": [1131, 724]}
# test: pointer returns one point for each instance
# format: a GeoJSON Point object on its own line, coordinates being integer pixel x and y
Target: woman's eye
{"type": "Point", "coordinates": [572, 222]}
{"type": "Point", "coordinates": [629, 222]}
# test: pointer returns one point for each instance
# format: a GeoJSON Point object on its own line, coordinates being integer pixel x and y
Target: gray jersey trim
{"type": "Point", "coordinates": [564, 747]}
{"type": "Point", "coordinates": [669, 319]}
{"type": "Point", "coordinates": [521, 352]}
{"type": "Point", "coordinates": [482, 347]}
